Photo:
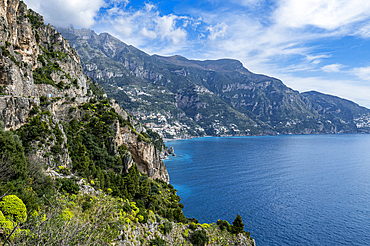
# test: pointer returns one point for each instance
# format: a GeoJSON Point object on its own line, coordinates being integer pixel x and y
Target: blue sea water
{"type": "Point", "coordinates": [289, 190]}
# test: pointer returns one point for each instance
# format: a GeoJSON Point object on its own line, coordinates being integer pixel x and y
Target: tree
{"type": "Point", "coordinates": [13, 161]}
{"type": "Point", "coordinates": [238, 226]}
{"type": "Point", "coordinates": [132, 181]}
{"type": "Point", "coordinates": [144, 189]}
{"type": "Point", "coordinates": [82, 161]}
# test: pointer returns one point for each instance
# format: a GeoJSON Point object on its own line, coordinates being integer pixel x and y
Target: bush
{"type": "Point", "coordinates": [193, 226]}
{"type": "Point", "coordinates": [12, 213]}
{"type": "Point", "coordinates": [69, 186]}
{"type": "Point", "coordinates": [166, 227]}
{"type": "Point", "coordinates": [86, 205]}
{"type": "Point", "coordinates": [14, 209]}
{"type": "Point", "coordinates": [199, 237]}
{"type": "Point", "coordinates": [223, 224]}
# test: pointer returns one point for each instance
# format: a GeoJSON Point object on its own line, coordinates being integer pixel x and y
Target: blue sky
{"type": "Point", "coordinates": [321, 45]}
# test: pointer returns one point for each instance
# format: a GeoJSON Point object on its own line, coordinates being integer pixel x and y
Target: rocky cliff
{"type": "Point", "coordinates": [43, 89]}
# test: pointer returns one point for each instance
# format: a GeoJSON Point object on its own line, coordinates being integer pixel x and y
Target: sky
{"type": "Point", "coordinates": [321, 45]}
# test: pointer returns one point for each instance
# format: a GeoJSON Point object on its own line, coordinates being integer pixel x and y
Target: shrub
{"type": "Point", "coordinates": [166, 227]}
{"type": "Point", "coordinates": [69, 186]}
{"type": "Point", "coordinates": [66, 215]}
{"type": "Point", "coordinates": [14, 209]}
{"type": "Point", "coordinates": [223, 224]}
{"type": "Point", "coordinates": [199, 237]}
{"type": "Point", "coordinates": [193, 226]}
{"type": "Point", "coordinates": [86, 205]}
{"type": "Point", "coordinates": [5, 224]}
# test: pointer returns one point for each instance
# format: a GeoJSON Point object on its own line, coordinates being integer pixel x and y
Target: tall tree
{"type": "Point", "coordinates": [238, 226]}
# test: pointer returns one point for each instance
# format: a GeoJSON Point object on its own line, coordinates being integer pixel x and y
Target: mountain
{"type": "Point", "coordinates": [76, 168]}
{"type": "Point", "coordinates": [178, 97]}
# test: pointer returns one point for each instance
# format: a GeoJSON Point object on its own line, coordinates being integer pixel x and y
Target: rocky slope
{"type": "Point", "coordinates": [203, 97]}
{"type": "Point", "coordinates": [41, 77]}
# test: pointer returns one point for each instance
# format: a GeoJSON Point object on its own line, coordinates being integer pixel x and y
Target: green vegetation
{"type": "Point", "coordinates": [2, 90]}
{"type": "Point", "coordinates": [6, 52]}
{"type": "Point", "coordinates": [127, 199]}
{"type": "Point", "coordinates": [49, 60]}
{"type": "Point", "coordinates": [199, 237]}
{"type": "Point", "coordinates": [238, 226]}
{"type": "Point", "coordinates": [35, 20]}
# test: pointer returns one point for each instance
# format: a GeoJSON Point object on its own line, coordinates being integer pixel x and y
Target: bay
{"type": "Point", "coordinates": [289, 190]}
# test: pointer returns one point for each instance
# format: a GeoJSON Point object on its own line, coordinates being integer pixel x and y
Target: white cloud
{"type": "Point", "coordinates": [326, 14]}
{"type": "Point", "coordinates": [147, 29]}
{"type": "Point", "coordinates": [63, 13]}
{"type": "Point", "coordinates": [166, 27]}
{"type": "Point", "coordinates": [216, 31]}
{"type": "Point", "coordinates": [364, 31]}
{"type": "Point", "coordinates": [332, 68]}
{"type": "Point", "coordinates": [362, 72]}
{"type": "Point", "coordinates": [148, 33]}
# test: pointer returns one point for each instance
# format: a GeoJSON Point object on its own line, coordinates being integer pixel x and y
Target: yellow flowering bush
{"type": "Point", "coordinates": [5, 224]}
{"type": "Point", "coordinates": [13, 208]}
{"type": "Point", "coordinates": [205, 226]}
{"type": "Point", "coordinates": [12, 212]}
{"type": "Point", "coordinates": [66, 214]}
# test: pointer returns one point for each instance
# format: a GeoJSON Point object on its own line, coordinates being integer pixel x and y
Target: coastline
{"type": "Point", "coordinates": [261, 135]}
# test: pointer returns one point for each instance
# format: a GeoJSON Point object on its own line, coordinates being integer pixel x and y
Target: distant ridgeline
{"type": "Point", "coordinates": [178, 97]}
{"type": "Point", "coordinates": [75, 168]}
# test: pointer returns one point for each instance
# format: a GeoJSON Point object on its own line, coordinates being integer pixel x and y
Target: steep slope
{"type": "Point", "coordinates": [42, 82]}
{"type": "Point", "coordinates": [340, 114]}
{"type": "Point", "coordinates": [214, 97]}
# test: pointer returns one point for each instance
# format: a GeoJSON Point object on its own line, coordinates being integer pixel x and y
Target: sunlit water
{"type": "Point", "coordinates": [289, 190]}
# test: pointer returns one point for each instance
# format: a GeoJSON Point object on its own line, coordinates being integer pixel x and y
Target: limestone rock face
{"type": "Point", "coordinates": [15, 110]}
{"type": "Point", "coordinates": [30, 45]}
{"type": "Point", "coordinates": [146, 155]}
{"type": "Point", "coordinates": [39, 70]}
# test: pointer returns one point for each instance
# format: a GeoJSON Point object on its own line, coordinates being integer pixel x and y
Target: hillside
{"type": "Point", "coordinates": [178, 97]}
{"type": "Point", "coordinates": [76, 168]}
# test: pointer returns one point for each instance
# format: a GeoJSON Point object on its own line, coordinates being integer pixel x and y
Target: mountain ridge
{"type": "Point", "coordinates": [217, 97]}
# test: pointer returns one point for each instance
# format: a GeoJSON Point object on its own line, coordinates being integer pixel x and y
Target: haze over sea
{"type": "Point", "coordinates": [289, 190]}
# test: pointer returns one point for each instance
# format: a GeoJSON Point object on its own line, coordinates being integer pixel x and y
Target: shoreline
{"type": "Point", "coordinates": [261, 135]}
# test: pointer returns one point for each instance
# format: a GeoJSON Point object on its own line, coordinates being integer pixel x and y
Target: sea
{"type": "Point", "coordinates": [289, 189]}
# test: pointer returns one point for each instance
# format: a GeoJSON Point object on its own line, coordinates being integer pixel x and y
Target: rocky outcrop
{"type": "Point", "coordinates": [145, 155]}
{"type": "Point", "coordinates": [14, 111]}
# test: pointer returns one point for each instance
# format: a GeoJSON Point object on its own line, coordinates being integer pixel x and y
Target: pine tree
{"type": "Point", "coordinates": [83, 161]}
{"type": "Point", "coordinates": [132, 181]}
{"type": "Point", "coordinates": [144, 189]}
{"type": "Point", "coordinates": [238, 226]}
